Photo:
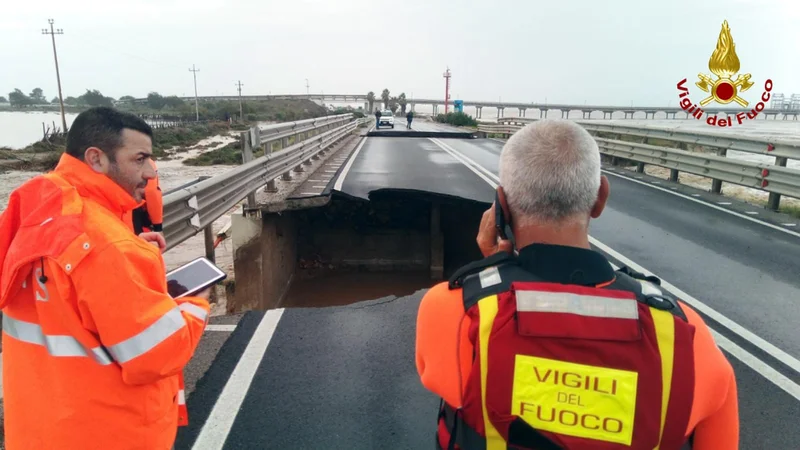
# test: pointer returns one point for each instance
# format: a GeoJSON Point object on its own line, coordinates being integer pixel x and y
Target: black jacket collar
{"type": "Point", "coordinates": [567, 265]}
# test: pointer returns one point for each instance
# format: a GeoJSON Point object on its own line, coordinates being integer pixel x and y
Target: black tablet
{"type": "Point", "coordinates": [193, 277]}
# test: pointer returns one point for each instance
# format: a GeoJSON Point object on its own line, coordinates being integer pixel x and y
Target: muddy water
{"type": "Point", "coordinates": [346, 289]}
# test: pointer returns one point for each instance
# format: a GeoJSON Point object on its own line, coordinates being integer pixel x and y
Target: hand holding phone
{"type": "Point", "coordinates": [490, 240]}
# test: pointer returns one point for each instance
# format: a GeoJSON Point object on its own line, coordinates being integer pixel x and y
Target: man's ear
{"type": "Point", "coordinates": [96, 159]}
{"type": "Point", "coordinates": [602, 197]}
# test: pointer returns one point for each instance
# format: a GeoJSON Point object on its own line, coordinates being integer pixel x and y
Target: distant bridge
{"type": "Point", "coordinates": [669, 112]}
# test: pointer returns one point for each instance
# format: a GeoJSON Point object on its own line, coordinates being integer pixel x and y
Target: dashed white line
{"type": "Point", "coordinates": [219, 423]}
{"type": "Point", "coordinates": [734, 349]}
{"type": "Point", "coordinates": [752, 213]}
{"type": "Point", "coordinates": [723, 203]}
{"type": "Point", "coordinates": [220, 327]}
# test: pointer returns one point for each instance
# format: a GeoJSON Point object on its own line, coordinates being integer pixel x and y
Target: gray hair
{"type": "Point", "coordinates": [550, 171]}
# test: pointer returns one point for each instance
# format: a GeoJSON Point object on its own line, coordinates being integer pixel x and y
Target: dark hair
{"type": "Point", "coordinates": [102, 127]}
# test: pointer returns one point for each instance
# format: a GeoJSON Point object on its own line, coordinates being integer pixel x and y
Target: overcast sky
{"type": "Point", "coordinates": [565, 51]}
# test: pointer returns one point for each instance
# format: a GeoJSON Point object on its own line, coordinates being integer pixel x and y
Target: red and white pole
{"type": "Point", "coordinates": [446, 89]}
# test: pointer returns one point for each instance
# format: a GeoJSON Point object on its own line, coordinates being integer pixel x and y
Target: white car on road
{"type": "Point", "coordinates": [387, 118]}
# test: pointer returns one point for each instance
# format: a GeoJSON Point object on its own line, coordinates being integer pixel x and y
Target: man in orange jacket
{"type": "Point", "coordinates": [543, 345]}
{"type": "Point", "coordinates": [93, 346]}
{"type": "Point", "coordinates": [150, 215]}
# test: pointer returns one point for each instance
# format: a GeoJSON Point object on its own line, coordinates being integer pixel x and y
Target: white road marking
{"type": "Point", "coordinates": [751, 212]}
{"type": "Point", "coordinates": [309, 193]}
{"type": "Point", "coordinates": [723, 203]}
{"type": "Point", "coordinates": [338, 185]}
{"type": "Point", "coordinates": [220, 327]}
{"type": "Point", "coordinates": [790, 224]}
{"type": "Point", "coordinates": [320, 187]}
{"type": "Point", "coordinates": [218, 424]}
{"type": "Point", "coordinates": [728, 211]}
{"type": "Point", "coordinates": [743, 355]}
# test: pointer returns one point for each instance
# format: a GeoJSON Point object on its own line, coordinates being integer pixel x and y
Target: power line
{"type": "Point", "coordinates": [53, 34]}
{"type": "Point", "coordinates": [241, 113]}
{"type": "Point", "coordinates": [196, 110]}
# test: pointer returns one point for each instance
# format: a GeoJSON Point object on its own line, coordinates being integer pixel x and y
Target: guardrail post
{"type": "Point", "coordinates": [247, 156]}
{"type": "Point", "coordinates": [716, 185]}
{"type": "Point", "coordinates": [640, 166]}
{"type": "Point", "coordinates": [208, 233]}
{"type": "Point", "coordinates": [774, 200]}
{"type": "Point", "coordinates": [285, 142]}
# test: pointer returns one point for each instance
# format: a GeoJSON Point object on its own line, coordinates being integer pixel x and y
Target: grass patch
{"type": "Point", "coordinates": [793, 211]}
{"type": "Point", "coordinates": [230, 154]}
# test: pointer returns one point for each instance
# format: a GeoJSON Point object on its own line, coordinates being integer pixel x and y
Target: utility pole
{"type": "Point", "coordinates": [196, 109]}
{"type": "Point", "coordinates": [446, 89]}
{"type": "Point", "coordinates": [241, 113]}
{"type": "Point", "coordinates": [53, 34]}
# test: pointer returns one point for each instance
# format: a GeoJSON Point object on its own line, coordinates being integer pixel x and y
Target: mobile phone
{"type": "Point", "coordinates": [193, 277]}
{"type": "Point", "coordinates": [499, 217]}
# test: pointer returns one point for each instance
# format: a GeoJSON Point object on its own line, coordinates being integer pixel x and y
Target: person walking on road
{"type": "Point", "coordinates": [543, 345]}
{"type": "Point", "coordinates": [409, 118]}
{"type": "Point", "coordinates": [93, 345]}
{"type": "Point", "coordinates": [377, 117]}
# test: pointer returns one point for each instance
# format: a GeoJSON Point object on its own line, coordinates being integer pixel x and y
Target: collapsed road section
{"type": "Point", "coordinates": [396, 216]}
{"type": "Point", "coordinates": [349, 249]}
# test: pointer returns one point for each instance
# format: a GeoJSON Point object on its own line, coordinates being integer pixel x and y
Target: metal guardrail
{"type": "Point", "coordinates": [192, 209]}
{"type": "Point", "coordinates": [775, 178]}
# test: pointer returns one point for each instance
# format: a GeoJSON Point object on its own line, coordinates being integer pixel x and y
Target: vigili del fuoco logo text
{"type": "Point", "coordinates": [723, 89]}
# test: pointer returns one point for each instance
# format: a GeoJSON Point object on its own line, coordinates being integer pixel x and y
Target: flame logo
{"type": "Point", "coordinates": [724, 63]}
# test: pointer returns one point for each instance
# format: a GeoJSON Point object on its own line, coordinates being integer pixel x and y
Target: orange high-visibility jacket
{"type": "Point", "coordinates": [93, 346]}
{"type": "Point", "coordinates": [154, 201]}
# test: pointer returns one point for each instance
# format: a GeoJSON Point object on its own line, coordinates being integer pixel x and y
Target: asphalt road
{"type": "Point", "coordinates": [344, 377]}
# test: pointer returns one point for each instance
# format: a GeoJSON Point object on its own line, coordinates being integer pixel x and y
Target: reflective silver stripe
{"type": "Point", "coordinates": [56, 345]}
{"type": "Point", "coordinates": [194, 310]}
{"type": "Point", "coordinates": [153, 335]}
{"type": "Point", "coordinates": [649, 288]}
{"type": "Point", "coordinates": [181, 397]}
{"type": "Point", "coordinates": [584, 305]}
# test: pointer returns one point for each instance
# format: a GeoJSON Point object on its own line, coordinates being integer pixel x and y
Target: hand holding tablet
{"type": "Point", "coordinates": [194, 279]}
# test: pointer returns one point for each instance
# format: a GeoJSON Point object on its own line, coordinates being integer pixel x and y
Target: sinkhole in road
{"type": "Point", "coordinates": [351, 249]}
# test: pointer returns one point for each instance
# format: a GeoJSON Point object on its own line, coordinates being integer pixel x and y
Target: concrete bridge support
{"type": "Point", "coordinates": [565, 113]}
{"type": "Point", "coordinates": [631, 113]}
{"type": "Point", "coordinates": [608, 114]}
{"type": "Point", "coordinates": [543, 113]}
{"type": "Point", "coordinates": [478, 112]}
{"type": "Point", "coordinates": [522, 112]}
{"type": "Point", "coordinates": [587, 114]}
{"type": "Point", "coordinates": [500, 110]}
